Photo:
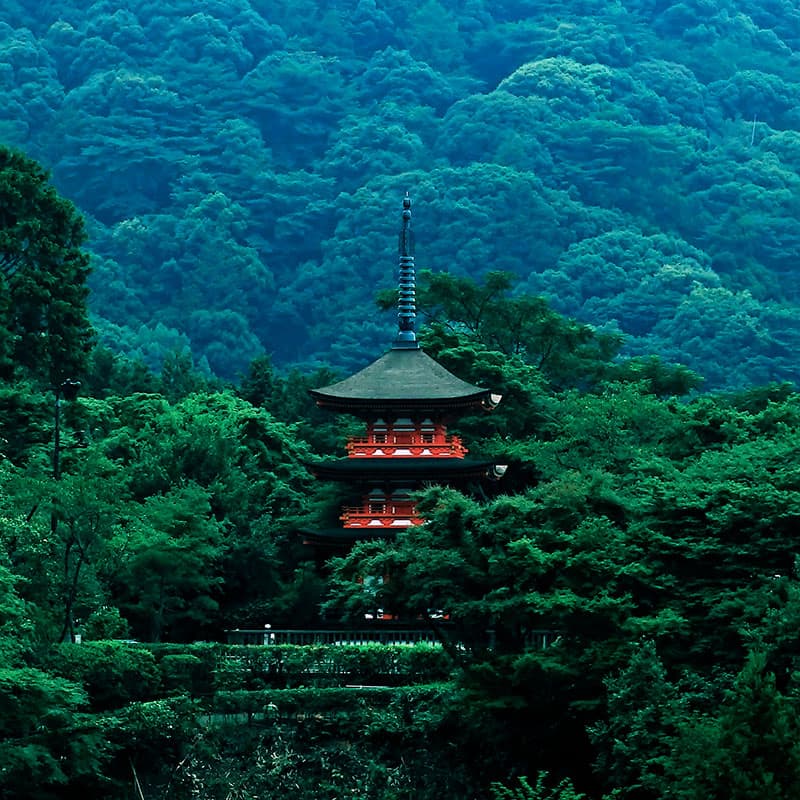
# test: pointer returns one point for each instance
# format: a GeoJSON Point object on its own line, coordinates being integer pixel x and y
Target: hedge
{"type": "Point", "coordinates": [116, 673]}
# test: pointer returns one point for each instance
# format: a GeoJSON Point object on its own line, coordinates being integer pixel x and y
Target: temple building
{"type": "Point", "coordinates": [405, 400]}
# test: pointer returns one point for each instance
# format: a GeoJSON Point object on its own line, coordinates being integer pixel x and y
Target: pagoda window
{"type": "Point", "coordinates": [402, 502]}
{"type": "Point", "coordinates": [376, 501]}
{"type": "Point", "coordinates": [427, 431]}
{"type": "Point", "coordinates": [379, 430]}
{"type": "Point", "coordinates": [403, 429]}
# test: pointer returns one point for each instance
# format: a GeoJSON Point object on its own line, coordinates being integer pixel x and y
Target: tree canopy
{"type": "Point", "coordinates": [46, 333]}
{"type": "Point", "coordinates": [634, 163]}
{"type": "Point", "coordinates": [605, 201]}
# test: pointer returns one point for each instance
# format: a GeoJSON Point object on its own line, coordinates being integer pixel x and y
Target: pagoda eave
{"type": "Point", "coordinates": [368, 405]}
{"type": "Point", "coordinates": [401, 379]}
{"type": "Point", "coordinates": [345, 537]}
{"type": "Point", "coordinates": [400, 469]}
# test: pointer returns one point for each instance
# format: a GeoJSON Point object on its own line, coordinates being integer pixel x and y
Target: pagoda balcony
{"type": "Point", "coordinates": [390, 517]}
{"type": "Point", "coordinates": [415, 447]}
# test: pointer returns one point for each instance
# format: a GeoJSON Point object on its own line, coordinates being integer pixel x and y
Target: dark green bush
{"type": "Point", "coordinates": [250, 667]}
{"type": "Point", "coordinates": [182, 673]}
{"type": "Point", "coordinates": [113, 673]}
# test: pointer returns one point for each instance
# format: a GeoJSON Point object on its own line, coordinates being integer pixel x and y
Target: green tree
{"type": "Point", "coordinates": [166, 576]}
{"type": "Point", "coordinates": [635, 745]}
{"type": "Point", "coordinates": [47, 740]}
{"type": "Point", "coordinates": [746, 750]}
{"type": "Point", "coordinates": [43, 271]}
{"type": "Point", "coordinates": [56, 535]}
{"type": "Point", "coordinates": [539, 791]}
{"type": "Point", "coordinates": [545, 569]}
{"type": "Point", "coordinates": [561, 348]}
{"type": "Point", "coordinates": [48, 744]}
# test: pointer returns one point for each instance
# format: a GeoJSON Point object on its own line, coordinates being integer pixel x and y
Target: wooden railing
{"type": "Point", "coordinates": [335, 637]}
{"type": "Point", "coordinates": [391, 517]}
{"type": "Point", "coordinates": [381, 633]}
{"type": "Point", "coordinates": [442, 447]}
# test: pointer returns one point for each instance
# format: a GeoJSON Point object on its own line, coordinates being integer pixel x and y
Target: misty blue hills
{"type": "Point", "coordinates": [241, 164]}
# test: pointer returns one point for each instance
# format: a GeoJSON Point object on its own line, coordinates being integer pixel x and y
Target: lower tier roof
{"type": "Point", "coordinates": [339, 537]}
{"type": "Point", "coordinates": [440, 470]}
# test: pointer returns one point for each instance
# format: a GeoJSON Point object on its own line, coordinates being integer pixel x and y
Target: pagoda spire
{"type": "Point", "coordinates": [406, 306]}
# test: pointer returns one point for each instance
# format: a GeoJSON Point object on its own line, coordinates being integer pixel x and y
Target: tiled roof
{"type": "Point", "coordinates": [441, 470]}
{"type": "Point", "coordinates": [400, 375]}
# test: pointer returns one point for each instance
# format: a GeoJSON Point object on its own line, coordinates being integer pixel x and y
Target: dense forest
{"type": "Point", "coordinates": [647, 539]}
{"type": "Point", "coordinates": [198, 206]}
{"type": "Point", "coordinates": [635, 162]}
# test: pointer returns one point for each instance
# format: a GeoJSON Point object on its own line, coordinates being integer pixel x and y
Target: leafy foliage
{"type": "Point", "coordinates": [43, 272]}
{"type": "Point", "coordinates": [634, 163]}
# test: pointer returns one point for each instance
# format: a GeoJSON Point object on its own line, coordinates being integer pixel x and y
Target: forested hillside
{"type": "Point", "coordinates": [636, 567]}
{"type": "Point", "coordinates": [636, 162]}
{"type": "Point", "coordinates": [607, 195]}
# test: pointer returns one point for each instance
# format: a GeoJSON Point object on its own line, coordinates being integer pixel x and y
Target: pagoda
{"type": "Point", "coordinates": [405, 400]}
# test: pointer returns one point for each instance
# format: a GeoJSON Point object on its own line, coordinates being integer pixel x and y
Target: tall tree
{"type": "Point", "coordinates": [43, 273]}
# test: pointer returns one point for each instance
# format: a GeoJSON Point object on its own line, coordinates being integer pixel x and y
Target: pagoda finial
{"type": "Point", "coordinates": [406, 306]}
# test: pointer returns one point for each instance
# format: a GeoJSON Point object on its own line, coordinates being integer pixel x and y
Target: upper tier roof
{"type": "Point", "coordinates": [400, 378]}
{"type": "Point", "coordinates": [404, 378]}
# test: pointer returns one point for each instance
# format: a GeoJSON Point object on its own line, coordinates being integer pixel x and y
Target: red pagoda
{"type": "Point", "coordinates": [406, 400]}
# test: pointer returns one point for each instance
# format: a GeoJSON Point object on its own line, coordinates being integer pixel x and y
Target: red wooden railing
{"type": "Point", "coordinates": [414, 447]}
{"type": "Point", "coordinates": [393, 516]}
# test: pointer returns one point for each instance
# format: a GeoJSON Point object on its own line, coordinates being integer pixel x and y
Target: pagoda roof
{"type": "Point", "coordinates": [403, 377]}
{"type": "Point", "coordinates": [417, 469]}
{"type": "Point", "coordinates": [338, 537]}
